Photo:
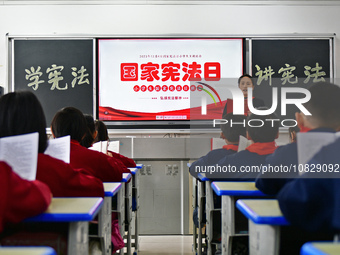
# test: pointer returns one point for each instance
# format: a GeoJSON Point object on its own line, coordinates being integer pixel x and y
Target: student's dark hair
{"type": "Point", "coordinates": [88, 139]}
{"type": "Point", "coordinates": [265, 133]}
{"type": "Point", "coordinates": [245, 75]}
{"type": "Point", "coordinates": [232, 132]}
{"type": "Point", "coordinates": [69, 121]}
{"type": "Point", "coordinates": [324, 104]}
{"type": "Point", "coordinates": [102, 134]}
{"type": "Point", "coordinates": [21, 113]}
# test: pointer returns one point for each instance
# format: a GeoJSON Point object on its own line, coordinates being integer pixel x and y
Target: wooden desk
{"type": "Point", "coordinates": [229, 191]}
{"type": "Point", "coordinates": [265, 219]}
{"type": "Point", "coordinates": [27, 251]}
{"type": "Point", "coordinates": [320, 248]}
{"type": "Point", "coordinates": [135, 196]}
{"type": "Point", "coordinates": [77, 212]}
{"type": "Point", "coordinates": [126, 224]}
{"type": "Point", "coordinates": [105, 215]}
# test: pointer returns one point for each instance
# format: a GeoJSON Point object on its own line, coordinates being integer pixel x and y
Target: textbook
{"type": "Point", "coordinates": [308, 144]}
{"type": "Point", "coordinates": [59, 148]}
{"type": "Point", "coordinates": [114, 146]}
{"type": "Point", "coordinates": [243, 143]}
{"type": "Point", "coordinates": [100, 146]}
{"type": "Point", "coordinates": [21, 153]}
{"type": "Point", "coordinates": [217, 143]}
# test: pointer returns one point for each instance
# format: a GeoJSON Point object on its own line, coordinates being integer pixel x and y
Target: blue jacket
{"type": "Point", "coordinates": [312, 201]}
{"type": "Point", "coordinates": [286, 155]}
{"type": "Point", "coordinates": [244, 162]}
{"type": "Point", "coordinates": [211, 158]}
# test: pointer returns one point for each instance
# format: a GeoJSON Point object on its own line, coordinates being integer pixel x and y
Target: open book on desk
{"type": "Point", "coordinates": [21, 153]}
{"type": "Point", "coordinates": [59, 148]}
{"type": "Point", "coordinates": [310, 143]}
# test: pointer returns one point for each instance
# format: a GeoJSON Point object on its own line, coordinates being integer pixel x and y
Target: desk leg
{"type": "Point", "coordinates": [263, 239]}
{"type": "Point", "coordinates": [128, 199]}
{"type": "Point", "coordinates": [201, 196]}
{"type": "Point", "coordinates": [194, 205]}
{"type": "Point", "coordinates": [209, 201]}
{"type": "Point", "coordinates": [105, 225]}
{"type": "Point", "coordinates": [228, 223]}
{"type": "Point", "coordinates": [78, 238]}
{"type": "Point", "coordinates": [136, 192]}
{"type": "Point", "coordinates": [121, 213]}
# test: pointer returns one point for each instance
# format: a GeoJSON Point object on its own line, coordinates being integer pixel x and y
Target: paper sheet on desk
{"type": "Point", "coordinates": [21, 153]}
{"type": "Point", "coordinates": [59, 148]}
{"type": "Point", "coordinates": [308, 144]}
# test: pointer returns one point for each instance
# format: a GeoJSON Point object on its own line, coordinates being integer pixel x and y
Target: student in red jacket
{"type": "Point", "coordinates": [22, 113]}
{"type": "Point", "coordinates": [102, 135]}
{"type": "Point", "coordinates": [20, 198]}
{"type": "Point", "coordinates": [71, 121]}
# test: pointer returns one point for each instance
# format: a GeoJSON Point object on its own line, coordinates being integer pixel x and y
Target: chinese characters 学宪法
{"type": "Point", "coordinates": [54, 72]}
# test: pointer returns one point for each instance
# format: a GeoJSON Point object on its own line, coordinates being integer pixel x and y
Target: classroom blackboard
{"type": "Point", "coordinates": [289, 63]}
{"type": "Point", "coordinates": [58, 71]}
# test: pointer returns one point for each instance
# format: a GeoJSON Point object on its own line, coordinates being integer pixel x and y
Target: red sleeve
{"type": "Point", "coordinates": [230, 108]}
{"type": "Point", "coordinates": [64, 181]}
{"type": "Point", "coordinates": [128, 162]}
{"type": "Point", "coordinates": [22, 198]}
{"type": "Point", "coordinates": [98, 164]}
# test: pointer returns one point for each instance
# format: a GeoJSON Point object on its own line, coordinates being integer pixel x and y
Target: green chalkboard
{"type": "Point", "coordinates": [59, 71]}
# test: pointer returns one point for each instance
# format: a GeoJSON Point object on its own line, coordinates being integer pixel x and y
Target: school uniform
{"type": "Point", "coordinates": [254, 155]}
{"type": "Point", "coordinates": [128, 162]}
{"type": "Point", "coordinates": [212, 158]}
{"type": "Point", "coordinates": [20, 198]}
{"type": "Point", "coordinates": [96, 163]}
{"type": "Point", "coordinates": [64, 181]}
{"type": "Point", "coordinates": [286, 155]}
{"type": "Point", "coordinates": [312, 201]}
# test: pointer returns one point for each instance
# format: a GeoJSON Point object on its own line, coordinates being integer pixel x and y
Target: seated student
{"type": "Point", "coordinates": [71, 121]}
{"type": "Point", "coordinates": [230, 134]}
{"type": "Point", "coordinates": [102, 135]}
{"type": "Point", "coordinates": [312, 201]}
{"type": "Point", "coordinates": [20, 198]}
{"type": "Point", "coordinates": [22, 113]}
{"type": "Point", "coordinates": [324, 107]}
{"type": "Point", "coordinates": [91, 132]}
{"type": "Point", "coordinates": [245, 164]}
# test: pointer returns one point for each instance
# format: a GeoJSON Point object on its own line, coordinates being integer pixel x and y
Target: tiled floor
{"type": "Point", "coordinates": [165, 245]}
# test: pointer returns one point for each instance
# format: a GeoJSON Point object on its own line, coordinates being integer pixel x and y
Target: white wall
{"type": "Point", "coordinates": [161, 19]}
